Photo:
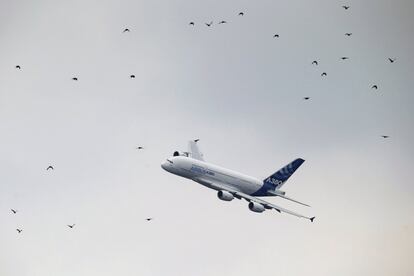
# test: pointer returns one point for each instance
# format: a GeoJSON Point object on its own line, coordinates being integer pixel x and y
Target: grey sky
{"type": "Point", "coordinates": [240, 91]}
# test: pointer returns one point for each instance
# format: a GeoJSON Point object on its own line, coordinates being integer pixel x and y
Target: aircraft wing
{"type": "Point", "coordinates": [269, 205]}
{"type": "Point", "coordinates": [250, 198]}
{"type": "Point", "coordinates": [194, 150]}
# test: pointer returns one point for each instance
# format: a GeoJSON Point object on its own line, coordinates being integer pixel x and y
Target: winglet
{"type": "Point", "coordinates": [312, 218]}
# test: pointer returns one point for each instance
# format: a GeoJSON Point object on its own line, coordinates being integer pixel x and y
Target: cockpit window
{"type": "Point", "coordinates": [170, 161]}
{"type": "Point", "coordinates": [176, 153]}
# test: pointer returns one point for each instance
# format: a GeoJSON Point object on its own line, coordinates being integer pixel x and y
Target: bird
{"type": "Point", "coordinates": [14, 211]}
{"type": "Point", "coordinates": [140, 148]}
{"type": "Point", "coordinates": [392, 60]}
{"type": "Point", "coordinates": [18, 67]}
{"type": "Point", "coordinates": [222, 22]}
{"type": "Point", "coordinates": [19, 230]}
{"type": "Point", "coordinates": [306, 98]}
{"type": "Point", "coordinates": [374, 86]}
{"type": "Point", "coordinates": [241, 13]}
{"type": "Point", "coordinates": [276, 35]}
{"type": "Point", "coordinates": [385, 136]}
{"type": "Point", "coordinates": [346, 7]}
{"type": "Point", "coordinates": [132, 76]}
{"type": "Point", "coordinates": [348, 34]}
{"type": "Point", "coordinates": [191, 23]}
{"type": "Point", "coordinates": [344, 58]}
{"type": "Point", "coordinates": [126, 30]}
{"type": "Point", "coordinates": [149, 219]}
{"type": "Point", "coordinates": [209, 24]}
{"type": "Point", "coordinates": [315, 62]}
{"type": "Point", "coordinates": [75, 78]}
{"type": "Point", "coordinates": [50, 168]}
{"type": "Point", "coordinates": [196, 140]}
{"type": "Point", "coordinates": [324, 74]}
{"type": "Point", "coordinates": [71, 226]}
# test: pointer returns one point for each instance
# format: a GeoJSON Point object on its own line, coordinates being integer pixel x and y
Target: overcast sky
{"type": "Point", "coordinates": [241, 92]}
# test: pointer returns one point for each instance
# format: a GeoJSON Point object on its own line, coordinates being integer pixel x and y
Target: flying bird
{"type": "Point", "coordinates": [392, 60]}
{"type": "Point", "coordinates": [241, 13]}
{"type": "Point", "coordinates": [346, 7]}
{"type": "Point", "coordinates": [191, 23]}
{"type": "Point", "coordinates": [306, 98]}
{"type": "Point", "coordinates": [19, 230]}
{"type": "Point", "coordinates": [50, 168]}
{"type": "Point", "coordinates": [344, 58]}
{"type": "Point", "coordinates": [209, 24]}
{"type": "Point", "coordinates": [348, 34]}
{"type": "Point", "coordinates": [315, 62]}
{"type": "Point", "coordinates": [18, 67]}
{"type": "Point", "coordinates": [196, 140]}
{"type": "Point", "coordinates": [126, 30]}
{"type": "Point", "coordinates": [71, 226]}
{"type": "Point", "coordinates": [374, 86]}
{"type": "Point", "coordinates": [276, 35]}
{"type": "Point", "coordinates": [140, 148]}
{"type": "Point", "coordinates": [324, 74]}
{"type": "Point", "coordinates": [132, 76]}
{"type": "Point", "coordinates": [385, 136]}
{"type": "Point", "coordinates": [222, 22]}
{"type": "Point", "coordinates": [14, 211]}
{"type": "Point", "coordinates": [149, 219]}
{"type": "Point", "coordinates": [75, 78]}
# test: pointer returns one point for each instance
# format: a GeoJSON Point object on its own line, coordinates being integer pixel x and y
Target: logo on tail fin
{"type": "Point", "coordinates": [277, 179]}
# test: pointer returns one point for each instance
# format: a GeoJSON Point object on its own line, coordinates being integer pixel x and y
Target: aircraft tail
{"type": "Point", "coordinates": [279, 178]}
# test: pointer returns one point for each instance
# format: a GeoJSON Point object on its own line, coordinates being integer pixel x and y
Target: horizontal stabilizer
{"type": "Point", "coordinates": [287, 198]}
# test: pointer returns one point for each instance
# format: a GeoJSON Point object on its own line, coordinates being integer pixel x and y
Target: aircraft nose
{"type": "Point", "coordinates": [164, 165]}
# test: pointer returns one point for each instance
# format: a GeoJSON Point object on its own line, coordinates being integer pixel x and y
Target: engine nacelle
{"type": "Point", "coordinates": [224, 195]}
{"type": "Point", "coordinates": [256, 207]}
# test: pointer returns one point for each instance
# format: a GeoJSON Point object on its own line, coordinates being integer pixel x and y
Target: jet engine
{"type": "Point", "coordinates": [177, 153]}
{"type": "Point", "coordinates": [256, 207]}
{"type": "Point", "coordinates": [224, 195]}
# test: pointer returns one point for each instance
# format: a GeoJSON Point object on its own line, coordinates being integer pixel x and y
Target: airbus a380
{"type": "Point", "coordinates": [231, 184]}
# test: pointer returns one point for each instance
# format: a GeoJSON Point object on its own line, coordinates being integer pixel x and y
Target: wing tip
{"type": "Point", "coordinates": [312, 218]}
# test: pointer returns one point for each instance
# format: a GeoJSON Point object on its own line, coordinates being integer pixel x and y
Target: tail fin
{"type": "Point", "coordinates": [281, 176]}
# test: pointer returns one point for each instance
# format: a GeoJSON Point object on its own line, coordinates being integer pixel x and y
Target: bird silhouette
{"type": "Point", "coordinates": [315, 62]}
{"type": "Point", "coordinates": [209, 24]}
{"type": "Point", "coordinates": [241, 13]}
{"type": "Point", "coordinates": [191, 23]}
{"type": "Point", "coordinates": [71, 226]}
{"type": "Point", "coordinates": [374, 86]}
{"type": "Point", "coordinates": [222, 22]}
{"type": "Point", "coordinates": [196, 140]}
{"type": "Point", "coordinates": [392, 60]}
{"type": "Point", "coordinates": [324, 74]}
{"type": "Point", "coordinates": [19, 230]}
{"type": "Point", "coordinates": [18, 67]}
{"type": "Point", "coordinates": [348, 34]}
{"type": "Point", "coordinates": [50, 168]}
{"type": "Point", "coordinates": [385, 136]}
{"type": "Point", "coordinates": [75, 78]}
{"type": "Point", "coordinates": [132, 76]}
{"type": "Point", "coordinates": [306, 98]}
{"type": "Point", "coordinates": [344, 58]}
{"type": "Point", "coordinates": [126, 30]}
{"type": "Point", "coordinates": [14, 211]}
{"type": "Point", "coordinates": [346, 7]}
{"type": "Point", "coordinates": [140, 148]}
{"type": "Point", "coordinates": [149, 219]}
{"type": "Point", "coordinates": [276, 35]}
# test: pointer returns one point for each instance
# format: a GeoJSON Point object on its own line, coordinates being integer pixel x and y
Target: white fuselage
{"type": "Point", "coordinates": [206, 173]}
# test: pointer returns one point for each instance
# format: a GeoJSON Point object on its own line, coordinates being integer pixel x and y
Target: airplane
{"type": "Point", "coordinates": [230, 184]}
